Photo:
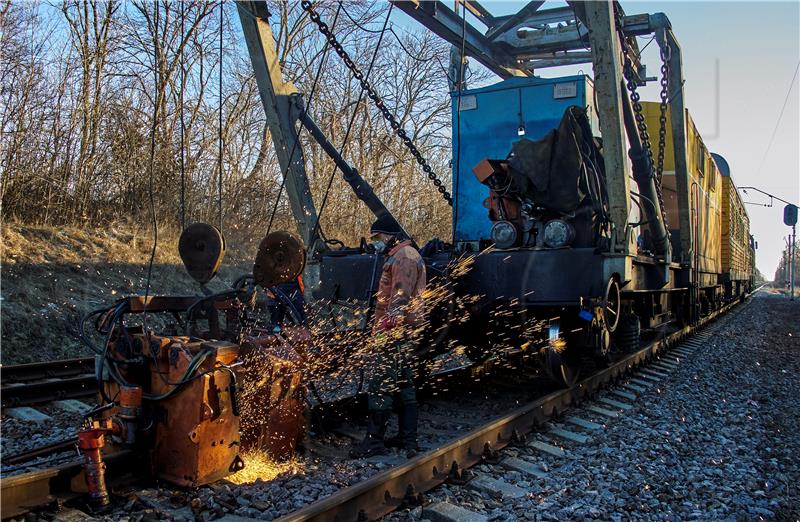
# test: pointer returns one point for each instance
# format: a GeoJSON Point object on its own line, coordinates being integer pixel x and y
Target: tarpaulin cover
{"type": "Point", "coordinates": [549, 171]}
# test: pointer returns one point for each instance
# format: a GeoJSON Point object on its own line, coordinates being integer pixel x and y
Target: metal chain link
{"type": "Point", "coordinates": [373, 95]}
{"type": "Point", "coordinates": [662, 118]}
{"type": "Point", "coordinates": [630, 77]}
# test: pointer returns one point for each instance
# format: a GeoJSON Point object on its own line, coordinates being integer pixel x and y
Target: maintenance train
{"type": "Point", "coordinates": [570, 218]}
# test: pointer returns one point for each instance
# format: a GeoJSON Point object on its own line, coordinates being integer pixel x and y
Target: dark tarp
{"type": "Point", "coordinates": [549, 171]}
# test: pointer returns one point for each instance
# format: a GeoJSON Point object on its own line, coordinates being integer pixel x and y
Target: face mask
{"type": "Point", "coordinates": [379, 246]}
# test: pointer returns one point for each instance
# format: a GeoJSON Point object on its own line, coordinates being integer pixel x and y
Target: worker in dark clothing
{"type": "Point", "coordinates": [398, 313]}
{"type": "Point", "coordinates": [286, 303]}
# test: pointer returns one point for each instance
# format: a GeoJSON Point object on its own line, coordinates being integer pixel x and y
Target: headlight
{"type": "Point", "coordinates": [558, 233]}
{"type": "Point", "coordinates": [504, 234]}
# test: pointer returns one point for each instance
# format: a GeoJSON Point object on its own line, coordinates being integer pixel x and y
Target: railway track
{"type": "Point", "coordinates": [403, 484]}
{"type": "Point", "coordinates": [38, 383]}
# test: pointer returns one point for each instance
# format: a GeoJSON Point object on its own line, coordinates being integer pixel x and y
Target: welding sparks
{"type": "Point", "coordinates": [259, 466]}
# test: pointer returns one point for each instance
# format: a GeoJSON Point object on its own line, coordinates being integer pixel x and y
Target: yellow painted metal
{"type": "Point", "coordinates": [736, 253]}
{"type": "Point", "coordinates": [705, 186]}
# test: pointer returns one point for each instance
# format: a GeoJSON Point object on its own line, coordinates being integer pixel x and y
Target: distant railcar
{"type": "Point", "coordinates": [737, 244]}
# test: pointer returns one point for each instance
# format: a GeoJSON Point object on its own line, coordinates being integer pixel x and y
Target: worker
{"type": "Point", "coordinates": [397, 317]}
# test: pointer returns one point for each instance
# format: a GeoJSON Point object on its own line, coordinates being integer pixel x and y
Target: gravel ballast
{"type": "Point", "coordinates": [718, 438]}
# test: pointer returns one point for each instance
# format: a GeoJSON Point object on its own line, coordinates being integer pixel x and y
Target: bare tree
{"type": "Point", "coordinates": [80, 115]}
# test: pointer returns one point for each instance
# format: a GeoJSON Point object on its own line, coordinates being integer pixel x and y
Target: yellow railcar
{"type": "Point", "coordinates": [737, 253]}
{"type": "Point", "coordinates": [717, 215]}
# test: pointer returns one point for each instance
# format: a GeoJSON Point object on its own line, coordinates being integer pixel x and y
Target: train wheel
{"type": "Point", "coordinates": [557, 363]}
{"type": "Point", "coordinates": [613, 305]}
{"type": "Point", "coordinates": [628, 333]}
{"type": "Point", "coordinates": [559, 369]}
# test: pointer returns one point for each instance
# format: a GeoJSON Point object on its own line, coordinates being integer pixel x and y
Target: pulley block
{"type": "Point", "coordinates": [280, 259]}
{"type": "Point", "coordinates": [202, 249]}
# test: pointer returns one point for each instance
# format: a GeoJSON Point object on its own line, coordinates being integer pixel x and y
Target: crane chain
{"type": "Point", "coordinates": [630, 79]}
{"type": "Point", "coordinates": [373, 95]}
{"type": "Point", "coordinates": [662, 117]}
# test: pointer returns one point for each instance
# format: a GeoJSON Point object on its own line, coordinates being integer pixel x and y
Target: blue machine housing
{"type": "Point", "coordinates": [490, 121]}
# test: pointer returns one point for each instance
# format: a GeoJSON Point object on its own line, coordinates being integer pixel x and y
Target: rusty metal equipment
{"type": "Point", "coordinates": [188, 422]}
{"type": "Point", "coordinates": [280, 259]}
{"type": "Point", "coordinates": [202, 249]}
{"type": "Point", "coordinates": [186, 382]}
{"type": "Point", "coordinates": [273, 393]}
{"type": "Point", "coordinates": [90, 442]}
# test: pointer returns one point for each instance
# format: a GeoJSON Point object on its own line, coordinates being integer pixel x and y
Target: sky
{"type": "Point", "coordinates": [757, 47]}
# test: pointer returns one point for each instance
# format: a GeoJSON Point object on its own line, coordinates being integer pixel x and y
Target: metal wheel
{"type": "Point", "coordinates": [613, 305]}
{"type": "Point", "coordinates": [557, 364]}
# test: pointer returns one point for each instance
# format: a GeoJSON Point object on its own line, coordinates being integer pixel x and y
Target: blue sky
{"type": "Point", "coordinates": [757, 46]}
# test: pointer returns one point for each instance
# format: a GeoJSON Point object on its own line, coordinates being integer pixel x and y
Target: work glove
{"type": "Point", "coordinates": [387, 323]}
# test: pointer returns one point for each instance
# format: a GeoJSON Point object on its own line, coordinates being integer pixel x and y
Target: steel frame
{"type": "Point", "coordinates": [513, 45]}
{"type": "Point", "coordinates": [535, 38]}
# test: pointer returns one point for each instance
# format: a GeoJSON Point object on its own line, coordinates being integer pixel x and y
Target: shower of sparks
{"type": "Point", "coordinates": [259, 466]}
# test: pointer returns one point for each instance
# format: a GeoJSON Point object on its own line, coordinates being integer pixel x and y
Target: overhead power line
{"type": "Point", "coordinates": [777, 123]}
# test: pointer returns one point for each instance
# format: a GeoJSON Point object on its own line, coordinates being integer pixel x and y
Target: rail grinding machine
{"type": "Point", "coordinates": [212, 380]}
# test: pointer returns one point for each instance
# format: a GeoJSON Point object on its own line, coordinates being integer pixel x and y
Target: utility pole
{"type": "Point", "coordinates": [790, 219]}
{"type": "Point", "coordinates": [794, 254]}
{"type": "Point", "coordinates": [785, 266]}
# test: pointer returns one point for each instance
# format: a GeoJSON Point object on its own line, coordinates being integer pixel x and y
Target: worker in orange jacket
{"type": "Point", "coordinates": [398, 316]}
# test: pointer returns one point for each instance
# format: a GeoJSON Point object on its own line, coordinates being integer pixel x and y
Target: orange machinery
{"type": "Point", "coordinates": [189, 401]}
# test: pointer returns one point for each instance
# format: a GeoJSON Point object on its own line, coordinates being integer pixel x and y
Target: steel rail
{"type": "Point", "coordinates": [21, 493]}
{"type": "Point", "coordinates": [39, 392]}
{"type": "Point", "coordinates": [41, 451]}
{"type": "Point", "coordinates": [386, 491]}
{"type": "Point", "coordinates": [46, 370]}
{"type": "Point", "coordinates": [402, 486]}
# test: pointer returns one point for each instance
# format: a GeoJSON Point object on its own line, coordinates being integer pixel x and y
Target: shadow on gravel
{"type": "Point", "coordinates": [42, 302]}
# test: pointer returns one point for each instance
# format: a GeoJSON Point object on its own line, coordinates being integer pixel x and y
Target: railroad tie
{"type": "Point", "coordinates": [568, 435]}
{"type": "Point", "coordinates": [583, 423]}
{"type": "Point", "coordinates": [548, 448]}
{"type": "Point", "coordinates": [487, 484]}
{"type": "Point", "coordinates": [624, 395]}
{"type": "Point", "coordinates": [655, 373]}
{"type": "Point", "coordinates": [523, 466]}
{"type": "Point", "coordinates": [28, 414]}
{"type": "Point", "coordinates": [639, 383]}
{"type": "Point", "coordinates": [663, 370]}
{"type": "Point", "coordinates": [652, 379]}
{"type": "Point", "coordinates": [72, 406]}
{"type": "Point", "coordinates": [635, 388]}
{"type": "Point", "coordinates": [616, 404]}
{"type": "Point", "coordinates": [446, 512]}
{"type": "Point", "coordinates": [666, 367]}
{"type": "Point", "coordinates": [602, 411]}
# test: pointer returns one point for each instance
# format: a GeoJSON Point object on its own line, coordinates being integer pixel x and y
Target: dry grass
{"type": "Point", "coordinates": [51, 276]}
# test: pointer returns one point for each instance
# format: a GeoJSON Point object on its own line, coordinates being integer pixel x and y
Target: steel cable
{"type": "Point", "coordinates": [379, 103]}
